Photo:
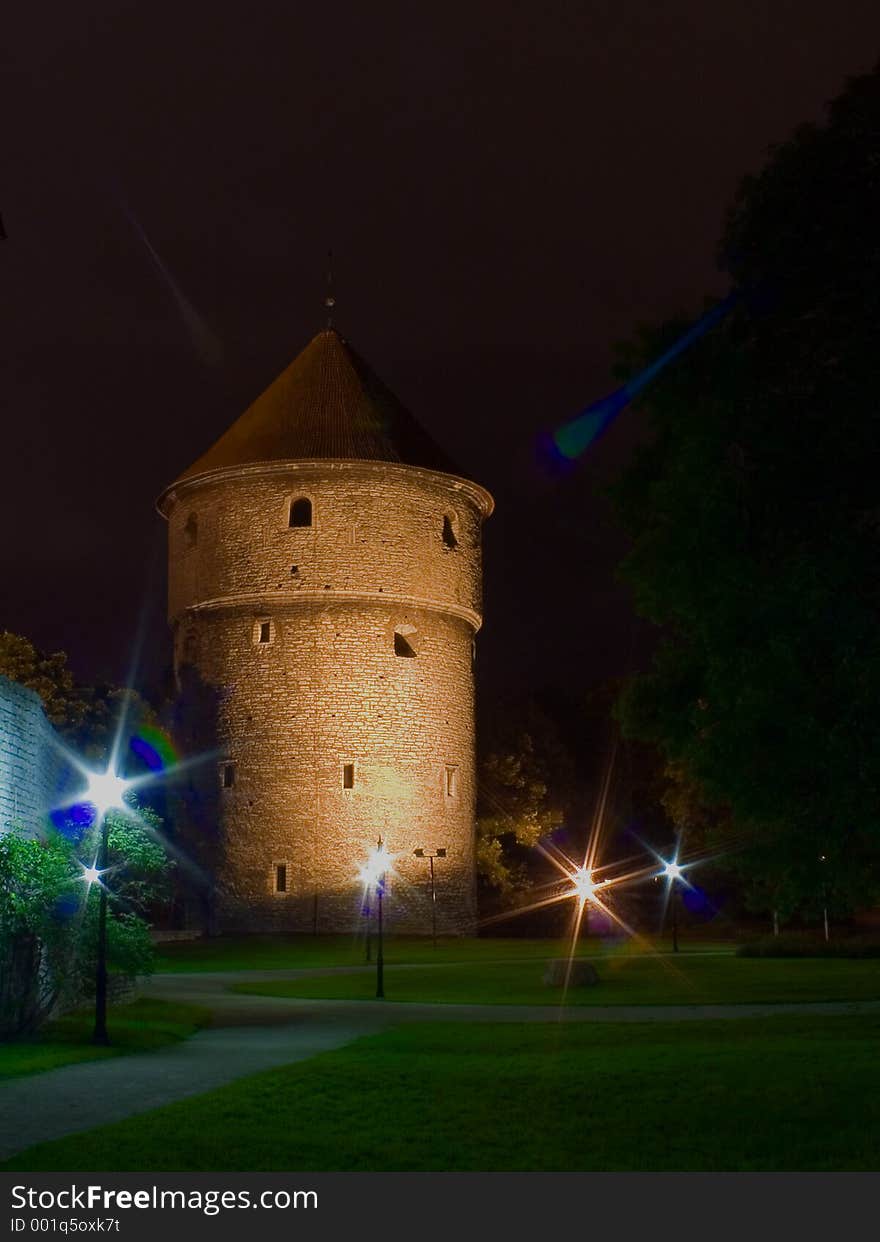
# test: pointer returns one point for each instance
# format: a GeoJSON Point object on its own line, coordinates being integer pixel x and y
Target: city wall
{"type": "Point", "coordinates": [32, 768]}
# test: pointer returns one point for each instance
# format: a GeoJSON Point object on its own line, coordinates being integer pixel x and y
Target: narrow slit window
{"type": "Point", "coordinates": [228, 775]}
{"type": "Point", "coordinates": [264, 631]}
{"type": "Point", "coordinates": [451, 782]}
{"type": "Point", "coordinates": [191, 530]}
{"type": "Point", "coordinates": [406, 642]}
{"type": "Point", "coordinates": [450, 535]}
{"type": "Point", "coordinates": [348, 776]}
{"type": "Point", "coordinates": [301, 512]}
{"type": "Point", "coordinates": [281, 877]}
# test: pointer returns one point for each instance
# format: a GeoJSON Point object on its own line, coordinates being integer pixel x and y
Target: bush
{"type": "Point", "coordinates": [808, 946]}
{"type": "Point", "coordinates": [35, 954]}
{"type": "Point", "coordinates": [49, 916]}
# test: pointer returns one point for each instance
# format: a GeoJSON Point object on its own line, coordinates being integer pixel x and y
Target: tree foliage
{"type": "Point", "coordinates": [85, 716]}
{"type": "Point", "coordinates": [138, 873]}
{"type": "Point", "coordinates": [754, 520]}
{"type": "Point", "coordinates": [524, 782]}
{"type": "Point", "coordinates": [49, 914]}
{"type": "Point", "coordinates": [35, 952]}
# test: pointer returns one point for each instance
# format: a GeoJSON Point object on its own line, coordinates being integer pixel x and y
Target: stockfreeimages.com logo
{"type": "Point", "coordinates": [210, 1202]}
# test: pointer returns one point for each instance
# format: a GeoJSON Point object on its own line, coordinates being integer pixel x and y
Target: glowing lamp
{"type": "Point", "coordinates": [582, 882]}
{"type": "Point", "coordinates": [378, 862]}
{"type": "Point", "coordinates": [91, 875]}
{"type": "Point", "coordinates": [105, 791]}
{"type": "Point", "coordinates": [672, 871]}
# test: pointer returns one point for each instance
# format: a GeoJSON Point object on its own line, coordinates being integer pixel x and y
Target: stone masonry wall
{"type": "Point", "coordinates": [32, 768]}
{"type": "Point", "coordinates": [377, 529]}
{"type": "Point", "coordinates": [327, 690]}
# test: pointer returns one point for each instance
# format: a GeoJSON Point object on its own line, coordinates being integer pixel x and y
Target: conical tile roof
{"type": "Point", "coordinates": [326, 404]}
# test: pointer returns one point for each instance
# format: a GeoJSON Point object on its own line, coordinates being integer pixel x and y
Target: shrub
{"type": "Point", "coordinates": [808, 946]}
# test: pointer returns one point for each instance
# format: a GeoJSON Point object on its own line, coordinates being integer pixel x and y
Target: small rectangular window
{"type": "Point", "coordinates": [228, 775]}
{"type": "Point", "coordinates": [348, 776]}
{"type": "Point", "coordinates": [280, 877]}
{"type": "Point", "coordinates": [451, 782]}
{"type": "Point", "coordinates": [265, 631]}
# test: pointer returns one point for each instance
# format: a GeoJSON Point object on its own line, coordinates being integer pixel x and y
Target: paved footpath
{"type": "Point", "coordinates": [253, 1033]}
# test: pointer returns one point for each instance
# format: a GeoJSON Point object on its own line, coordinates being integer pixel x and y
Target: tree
{"type": "Point", "coordinates": [48, 675]}
{"type": "Point", "coordinates": [138, 874]}
{"type": "Point", "coordinates": [525, 780]}
{"type": "Point", "coordinates": [754, 523]}
{"type": "Point", "coordinates": [35, 953]}
{"type": "Point", "coordinates": [85, 716]}
{"type": "Point", "coordinates": [49, 913]}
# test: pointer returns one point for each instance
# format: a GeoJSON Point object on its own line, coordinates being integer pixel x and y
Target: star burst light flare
{"type": "Point", "coordinates": [377, 864]}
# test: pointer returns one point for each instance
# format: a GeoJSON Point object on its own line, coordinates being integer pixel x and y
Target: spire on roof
{"type": "Point", "coordinates": [329, 300]}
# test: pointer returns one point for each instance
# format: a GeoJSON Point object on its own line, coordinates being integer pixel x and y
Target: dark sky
{"type": "Point", "coordinates": [508, 188]}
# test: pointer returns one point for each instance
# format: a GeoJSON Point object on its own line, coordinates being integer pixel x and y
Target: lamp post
{"type": "Point", "coordinates": [583, 888]}
{"type": "Point", "coordinates": [100, 1035]}
{"type": "Point", "coordinates": [380, 890]}
{"type": "Point", "coordinates": [372, 873]}
{"type": "Point", "coordinates": [105, 791]}
{"type": "Point", "coordinates": [672, 872]}
{"type": "Point", "coordinates": [440, 853]}
{"type": "Point", "coordinates": [823, 858]}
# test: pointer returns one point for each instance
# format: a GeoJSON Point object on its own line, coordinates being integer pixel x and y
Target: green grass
{"type": "Point", "coordinates": [288, 953]}
{"type": "Point", "coordinates": [770, 1094]}
{"type": "Point", "coordinates": [624, 979]}
{"type": "Point", "coordinates": [140, 1026]}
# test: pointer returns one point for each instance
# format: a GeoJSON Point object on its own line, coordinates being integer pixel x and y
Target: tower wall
{"type": "Point", "coordinates": [327, 690]}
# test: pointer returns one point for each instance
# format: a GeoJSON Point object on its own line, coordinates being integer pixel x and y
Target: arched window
{"type": "Point", "coordinates": [450, 530]}
{"type": "Point", "coordinates": [301, 512]}
{"type": "Point", "coordinates": [406, 642]}
{"type": "Point", "coordinates": [191, 531]}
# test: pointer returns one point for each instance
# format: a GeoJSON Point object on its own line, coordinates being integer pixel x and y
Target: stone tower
{"type": "Point", "coordinates": [325, 586]}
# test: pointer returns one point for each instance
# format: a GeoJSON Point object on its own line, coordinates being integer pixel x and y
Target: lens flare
{"type": "Point", "coordinates": [379, 863]}
{"type": "Point", "coordinates": [155, 748]}
{"type": "Point", "coordinates": [91, 875]}
{"type": "Point", "coordinates": [573, 438]}
{"type": "Point", "coordinates": [583, 884]}
{"type": "Point", "coordinates": [106, 791]}
{"type": "Point", "coordinates": [591, 884]}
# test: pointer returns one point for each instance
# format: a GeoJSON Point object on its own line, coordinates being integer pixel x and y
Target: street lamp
{"type": "Point", "coordinates": [373, 875]}
{"type": "Point", "coordinates": [823, 858]}
{"type": "Point", "coordinates": [441, 853]}
{"type": "Point", "coordinates": [672, 873]}
{"type": "Point", "coordinates": [106, 791]}
{"type": "Point", "coordinates": [583, 887]}
{"type": "Point", "coordinates": [368, 914]}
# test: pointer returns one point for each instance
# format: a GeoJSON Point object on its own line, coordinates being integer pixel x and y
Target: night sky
{"type": "Point", "coordinates": [508, 190]}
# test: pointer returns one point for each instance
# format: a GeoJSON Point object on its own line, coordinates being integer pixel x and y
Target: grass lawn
{"type": "Point", "coordinates": [292, 952]}
{"type": "Point", "coordinates": [778, 1093]}
{"type": "Point", "coordinates": [139, 1026]}
{"type": "Point", "coordinates": [624, 979]}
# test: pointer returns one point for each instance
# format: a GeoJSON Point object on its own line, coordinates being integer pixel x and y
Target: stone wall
{"type": "Point", "coordinates": [32, 769]}
{"type": "Point", "coordinates": [327, 691]}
